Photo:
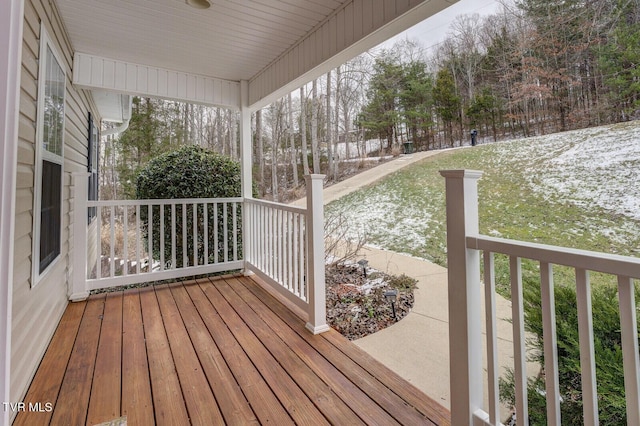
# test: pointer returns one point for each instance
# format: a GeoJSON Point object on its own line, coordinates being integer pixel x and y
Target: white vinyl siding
{"type": "Point", "coordinates": [38, 309]}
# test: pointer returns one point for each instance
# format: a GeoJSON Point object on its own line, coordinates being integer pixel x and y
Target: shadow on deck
{"type": "Point", "coordinates": [210, 352]}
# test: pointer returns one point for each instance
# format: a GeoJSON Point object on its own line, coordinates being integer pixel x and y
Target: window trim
{"type": "Point", "coordinates": [41, 155]}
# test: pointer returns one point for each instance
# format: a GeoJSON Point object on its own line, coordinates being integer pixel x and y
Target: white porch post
{"type": "Point", "coordinates": [11, 22]}
{"type": "Point", "coordinates": [246, 165]}
{"type": "Point", "coordinates": [465, 334]}
{"type": "Point", "coordinates": [245, 141]}
{"type": "Point", "coordinates": [78, 288]}
{"type": "Point", "coordinates": [315, 252]}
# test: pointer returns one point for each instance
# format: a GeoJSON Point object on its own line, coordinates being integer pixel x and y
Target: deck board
{"type": "Point", "coordinates": [234, 406]}
{"type": "Point", "coordinates": [104, 403]}
{"type": "Point", "coordinates": [48, 379]}
{"type": "Point", "coordinates": [333, 346]}
{"type": "Point", "coordinates": [137, 403]}
{"type": "Point", "coordinates": [299, 407]}
{"type": "Point", "coordinates": [211, 351]}
{"type": "Point", "coordinates": [169, 406]}
{"type": "Point", "coordinates": [320, 394]}
{"type": "Point", "coordinates": [73, 400]}
{"type": "Point", "coordinates": [352, 395]}
{"type": "Point", "coordinates": [201, 404]}
{"type": "Point", "coordinates": [264, 403]}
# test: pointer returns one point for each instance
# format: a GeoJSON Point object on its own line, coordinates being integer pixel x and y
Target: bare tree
{"type": "Point", "coordinates": [339, 247]}
{"type": "Point", "coordinates": [314, 128]}
{"type": "Point", "coordinates": [294, 152]}
{"type": "Point", "coordinates": [260, 150]}
{"type": "Point", "coordinates": [275, 108]}
{"type": "Point", "coordinates": [336, 134]}
{"type": "Point", "coordinates": [303, 132]}
{"type": "Point", "coordinates": [329, 132]}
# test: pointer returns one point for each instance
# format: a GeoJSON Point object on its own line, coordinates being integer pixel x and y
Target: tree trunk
{"type": "Point", "coordinates": [303, 132]}
{"type": "Point", "coordinates": [274, 151]}
{"type": "Point", "coordinates": [314, 128]}
{"type": "Point", "coordinates": [260, 150]}
{"type": "Point", "coordinates": [294, 153]}
{"type": "Point", "coordinates": [329, 135]}
{"type": "Point", "coordinates": [233, 143]}
{"type": "Point", "coordinates": [336, 134]}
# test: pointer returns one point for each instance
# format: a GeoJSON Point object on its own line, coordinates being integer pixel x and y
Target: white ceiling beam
{"type": "Point", "coordinates": [354, 28]}
{"type": "Point", "coordinates": [95, 72]}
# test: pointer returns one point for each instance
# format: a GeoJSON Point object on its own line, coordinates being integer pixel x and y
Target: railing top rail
{"type": "Point", "coordinates": [581, 259]}
{"type": "Point", "coordinates": [109, 203]}
{"type": "Point", "coordinates": [280, 206]}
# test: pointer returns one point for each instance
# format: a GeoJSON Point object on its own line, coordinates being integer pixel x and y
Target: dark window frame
{"type": "Point", "coordinates": [93, 162]}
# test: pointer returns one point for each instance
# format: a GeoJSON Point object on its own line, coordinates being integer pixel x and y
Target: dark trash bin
{"type": "Point", "coordinates": [408, 147]}
{"type": "Point", "coordinates": [474, 137]}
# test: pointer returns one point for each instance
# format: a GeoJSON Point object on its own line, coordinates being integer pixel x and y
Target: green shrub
{"type": "Point", "coordinates": [608, 353]}
{"type": "Point", "coordinates": [191, 172]}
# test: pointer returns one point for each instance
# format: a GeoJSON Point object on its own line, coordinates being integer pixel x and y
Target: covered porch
{"type": "Point", "coordinates": [211, 351]}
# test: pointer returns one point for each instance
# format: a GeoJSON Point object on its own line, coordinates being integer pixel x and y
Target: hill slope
{"type": "Point", "coordinates": [578, 189]}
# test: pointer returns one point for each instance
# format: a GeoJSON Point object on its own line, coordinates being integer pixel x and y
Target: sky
{"type": "Point", "coordinates": [432, 31]}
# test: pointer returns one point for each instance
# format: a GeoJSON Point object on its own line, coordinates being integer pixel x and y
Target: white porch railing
{"type": "Point", "coordinates": [278, 249]}
{"type": "Point", "coordinates": [150, 240]}
{"type": "Point", "coordinates": [138, 241]}
{"type": "Point", "coordinates": [463, 250]}
{"type": "Point", "coordinates": [286, 248]}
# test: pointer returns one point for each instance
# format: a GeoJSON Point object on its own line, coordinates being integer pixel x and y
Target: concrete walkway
{"type": "Point", "coordinates": [370, 176]}
{"type": "Point", "coordinates": [417, 347]}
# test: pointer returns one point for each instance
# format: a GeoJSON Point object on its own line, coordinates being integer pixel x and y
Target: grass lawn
{"type": "Point", "coordinates": [574, 189]}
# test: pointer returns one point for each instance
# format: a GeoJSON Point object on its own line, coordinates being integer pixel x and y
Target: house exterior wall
{"type": "Point", "coordinates": [11, 13]}
{"type": "Point", "coordinates": [37, 310]}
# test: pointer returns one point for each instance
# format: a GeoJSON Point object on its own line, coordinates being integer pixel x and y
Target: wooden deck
{"type": "Point", "coordinates": [211, 352]}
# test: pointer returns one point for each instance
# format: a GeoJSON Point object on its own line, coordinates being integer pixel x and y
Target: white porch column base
{"type": "Point", "coordinates": [79, 297]}
{"type": "Point", "coordinates": [317, 296]}
{"type": "Point", "coordinates": [317, 330]}
{"type": "Point", "coordinates": [465, 333]}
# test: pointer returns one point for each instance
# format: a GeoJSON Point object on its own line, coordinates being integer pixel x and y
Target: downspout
{"type": "Point", "coordinates": [116, 130]}
{"type": "Point", "coordinates": [126, 117]}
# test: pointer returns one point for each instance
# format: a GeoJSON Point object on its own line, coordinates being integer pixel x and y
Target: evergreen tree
{"type": "Point", "coordinates": [620, 59]}
{"type": "Point", "coordinates": [416, 101]}
{"type": "Point", "coordinates": [483, 111]}
{"type": "Point", "coordinates": [608, 355]}
{"type": "Point", "coordinates": [447, 102]}
{"type": "Point", "coordinates": [381, 114]}
{"type": "Point", "coordinates": [142, 140]}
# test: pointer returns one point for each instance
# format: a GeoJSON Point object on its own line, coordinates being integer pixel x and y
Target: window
{"type": "Point", "coordinates": [92, 165]}
{"type": "Point", "coordinates": [47, 234]}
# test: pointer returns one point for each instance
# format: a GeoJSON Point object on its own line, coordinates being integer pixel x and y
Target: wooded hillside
{"type": "Point", "coordinates": [537, 67]}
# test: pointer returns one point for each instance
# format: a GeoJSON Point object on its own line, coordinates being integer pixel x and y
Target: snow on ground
{"type": "Point", "coordinates": [356, 148]}
{"type": "Point", "coordinates": [589, 167]}
{"type": "Point", "coordinates": [592, 168]}
{"type": "Point", "coordinates": [389, 219]}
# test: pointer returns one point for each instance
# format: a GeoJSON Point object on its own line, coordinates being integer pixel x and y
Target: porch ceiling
{"type": "Point", "coordinates": [231, 40]}
{"type": "Point", "coordinates": [240, 39]}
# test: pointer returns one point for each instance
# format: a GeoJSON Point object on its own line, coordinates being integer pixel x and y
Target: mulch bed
{"type": "Point", "coordinates": [356, 306]}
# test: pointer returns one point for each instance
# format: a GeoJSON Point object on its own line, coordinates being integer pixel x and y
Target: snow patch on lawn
{"type": "Point", "coordinates": [596, 168]}
{"type": "Point", "coordinates": [589, 167]}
